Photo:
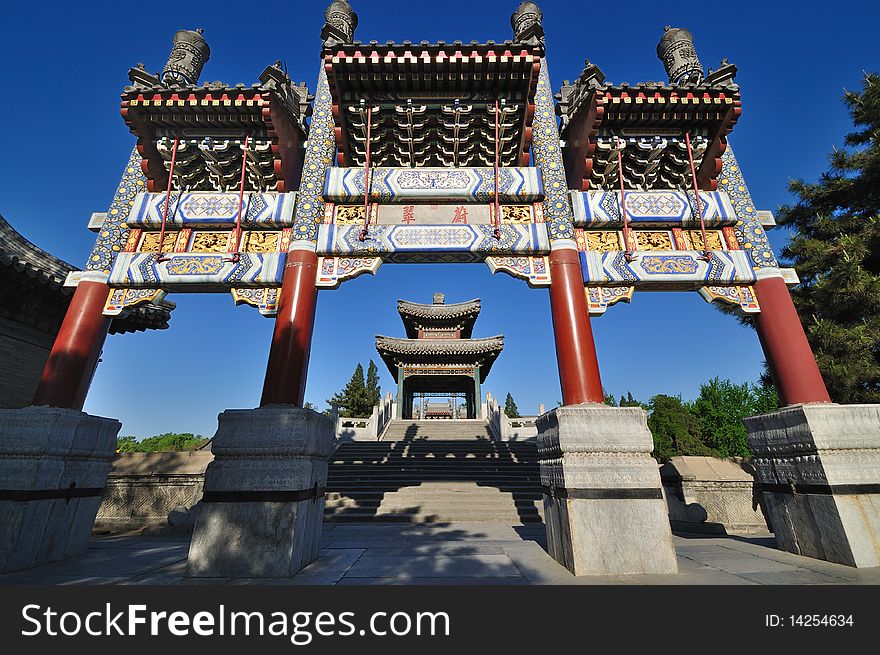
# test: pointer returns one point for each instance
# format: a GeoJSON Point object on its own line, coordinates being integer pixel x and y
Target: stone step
{"type": "Point", "coordinates": [447, 473]}
{"type": "Point", "coordinates": [397, 517]}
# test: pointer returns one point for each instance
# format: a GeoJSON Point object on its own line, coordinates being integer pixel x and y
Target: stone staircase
{"type": "Point", "coordinates": [434, 471]}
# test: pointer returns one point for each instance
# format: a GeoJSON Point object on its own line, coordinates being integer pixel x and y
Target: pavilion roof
{"type": "Point", "coordinates": [461, 315]}
{"type": "Point", "coordinates": [471, 352]}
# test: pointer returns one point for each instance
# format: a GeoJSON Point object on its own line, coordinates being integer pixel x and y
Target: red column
{"type": "Point", "coordinates": [288, 365]}
{"type": "Point", "coordinates": [71, 364]}
{"type": "Point", "coordinates": [575, 350]}
{"type": "Point", "coordinates": [785, 345]}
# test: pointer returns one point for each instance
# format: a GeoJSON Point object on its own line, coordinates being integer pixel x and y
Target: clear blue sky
{"type": "Point", "coordinates": [64, 145]}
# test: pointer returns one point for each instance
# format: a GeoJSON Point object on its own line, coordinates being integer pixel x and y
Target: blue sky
{"type": "Point", "coordinates": [65, 144]}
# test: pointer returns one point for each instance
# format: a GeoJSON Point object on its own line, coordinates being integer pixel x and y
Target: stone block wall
{"type": "Point", "coordinates": [23, 351]}
{"type": "Point", "coordinates": [708, 494]}
{"type": "Point", "coordinates": [143, 489]}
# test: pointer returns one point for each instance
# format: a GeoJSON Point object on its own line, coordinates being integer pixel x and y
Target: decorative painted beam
{"type": "Point", "coordinates": [332, 271]}
{"type": "Point", "coordinates": [433, 241]}
{"type": "Point", "coordinates": [402, 185]}
{"type": "Point", "coordinates": [265, 299]}
{"type": "Point", "coordinates": [741, 298]}
{"type": "Point", "coordinates": [534, 270]}
{"type": "Point", "coordinates": [202, 272]}
{"type": "Point", "coordinates": [600, 299]}
{"type": "Point", "coordinates": [212, 209]}
{"type": "Point", "coordinates": [651, 208]}
{"type": "Point", "coordinates": [120, 301]}
{"type": "Point", "coordinates": [432, 214]}
{"type": "Point", "coordinates": [683, 268]}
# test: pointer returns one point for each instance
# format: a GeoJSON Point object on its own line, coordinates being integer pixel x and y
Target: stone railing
{"type": "Point", "coordinates": [508, 429]}
{"type": "Point", "coordinates": [366, 429]}
{"type": "Point", "coordinates": [714, 495]}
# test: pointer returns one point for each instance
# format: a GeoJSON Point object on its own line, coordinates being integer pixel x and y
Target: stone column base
{"type": "Point", "coordinates": [53, 466]}
{"type": "Point", "coordinates": [818, 467]}
{"type": "Point", "coordinates": [263, 503]}
{"type": "Point", "coordinates": [603, 500]}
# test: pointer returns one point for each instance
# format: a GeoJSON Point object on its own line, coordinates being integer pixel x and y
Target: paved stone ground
{"type": "Point", "coordinates": [451, 553]}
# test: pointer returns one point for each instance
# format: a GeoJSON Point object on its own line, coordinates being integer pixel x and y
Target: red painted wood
{"type": "Point", "coordinates": [575, 350]}
{"type": "Point", "coordinates": [285, 382]}
{"type": "Point", "coordinates": [68, 372]}
{"type": "Point", "coordinates": [785, 345]}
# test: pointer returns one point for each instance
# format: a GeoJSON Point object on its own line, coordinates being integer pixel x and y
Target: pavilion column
{"type": "Point", "coordinates": [71, 365]}
{"type": "Point", "coordinates": [478, 409]}
{"type": "Point", "coordinates": [789, 356]}
{"type": "Point", "coordinates": [288, 365]}
{"type": "Point", "coordinates": [399, 393]}
{"type": "Point", "coordinates": [575, 349]}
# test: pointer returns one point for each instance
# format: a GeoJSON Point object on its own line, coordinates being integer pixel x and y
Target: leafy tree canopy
{"type": "Point", "coordinates": [170, 441]}
{"type": "Point", "coordinates": [675, 428]}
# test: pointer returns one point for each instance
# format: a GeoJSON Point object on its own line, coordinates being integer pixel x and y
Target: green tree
{"type": "Point", "coordinates": [675, 429]}
{"type": "Point", "coordinates": [372, 388]}
{"type": "Point", "coordinates": [353, 400]}
{"type": "Point", "coordinates": [720, 409]}
{"type": "Point", "coordinates": [835, 248]}
{"type": "Point", "coordinates": [510, 408]}
{"type": "Point", "coordinates": [169, 441]}
{"type": "Point", "coordinates": [126, 444]}
{"type": "Point", "coordinates": [629, 401]}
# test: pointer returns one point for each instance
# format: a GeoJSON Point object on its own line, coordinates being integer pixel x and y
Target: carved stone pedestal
{"type": "Point", "coordinates": [818, 467]}
{"type": "Point", "coordinates": [603, 500]}
{"type": "Point", "coordinates": [263, 502]}
{"type": "Point", "coordinates": [53, 466]}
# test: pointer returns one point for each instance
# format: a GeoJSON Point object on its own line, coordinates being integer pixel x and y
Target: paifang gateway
{"type": "Point", "coordinates": [418, 152]}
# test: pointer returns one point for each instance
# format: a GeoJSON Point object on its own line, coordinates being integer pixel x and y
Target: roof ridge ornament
{"type": "Point", "coordinates": [676, 51]}
{"type": "Point", "coordinates": [527, 25]}
{"type": "Point", "coordinates": [340, 24]}
{"type": "Point", "coordinates": [188, 56]}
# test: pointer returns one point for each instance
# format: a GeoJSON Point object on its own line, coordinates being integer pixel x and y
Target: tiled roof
{"type": "Point", "coordinates": [31, 261]}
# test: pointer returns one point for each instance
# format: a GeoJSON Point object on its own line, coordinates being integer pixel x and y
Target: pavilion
{"type": "Point", "coordinates": [439, 358]}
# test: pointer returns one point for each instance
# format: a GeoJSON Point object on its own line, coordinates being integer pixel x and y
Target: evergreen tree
{"type": "Point", "coordinates": [510, 408]}
{"type": "Point", "coordinates": [352, 400]}
{"type": "Point", "coordinates": [675, 429]}
{"type": "Point", "coordinates": [836, 251]}
{"type": "Point", "coordinates": [609, 399]}
{"type": "Point", "coordinates": [629, 401]}
{"type": "Point", "coordinates": [372, 388]}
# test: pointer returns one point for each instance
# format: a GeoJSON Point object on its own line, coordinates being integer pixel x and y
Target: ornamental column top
{"type": "Point", "coordinates": [676, 51]}
{"type": "Point", "coordinates": [188, 55]}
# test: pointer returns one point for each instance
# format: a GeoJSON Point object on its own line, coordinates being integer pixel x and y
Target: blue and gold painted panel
{"type": "Point", "coordinates": [197, 271]}
{"type": "Point", "coordinates": [651, 208]}
{"type": "Point", "coordinates": [433, 240]}
{"type": "Point", "coordinates": [401, 185]}
{"type": "Point", "coordinates": [682, 267]}
{"type": "Point", "coordinates": [212, 209]}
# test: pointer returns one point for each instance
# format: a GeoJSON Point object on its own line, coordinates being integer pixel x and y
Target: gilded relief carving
{"type": "Point", "coordinates": [603, 241]}
{"type": "Point", "coordinates": [210, 242]}
{"type": "Point", "coordinates": [712, 236]}
{"type": "Point", "coordinates": [260, 242]}
{"type": "Point", "coordinates": [349, 214]}
{"type": "Point", "coordinates": [653, 241]}
{"type": "Point", "coordinates": [521, 214]}
{"type": "Point", "coordinates": [150, 242]}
